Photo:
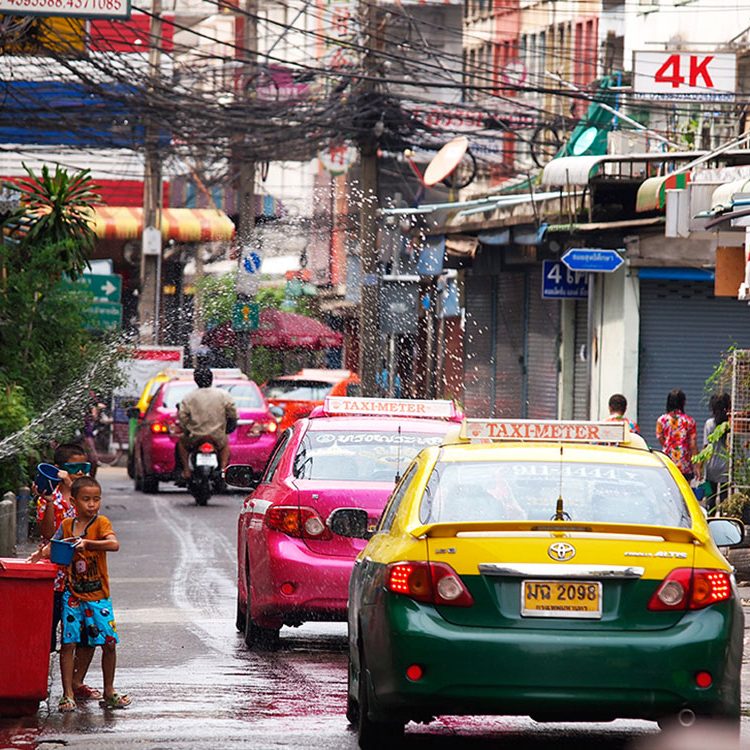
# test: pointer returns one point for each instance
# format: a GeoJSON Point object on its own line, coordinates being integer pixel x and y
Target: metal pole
{"type": "Point", "coordinates": [369, 306]}
{"type": "Point", "coordinates": [150, 276]}
{"type": "Point", "coordinates": [245, 184]}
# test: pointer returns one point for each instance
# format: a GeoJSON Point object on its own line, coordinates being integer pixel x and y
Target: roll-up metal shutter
{"type": "Point", "coordinates": [510, 345]}
{"type": "Point", "coordinates": [683, 331]}
{"type": "Point", "coordinates": [543, 354]}
{"type": "Point", "coordinates": [580, 364]}
{"type": "Point", "coordinates": [479, 333]}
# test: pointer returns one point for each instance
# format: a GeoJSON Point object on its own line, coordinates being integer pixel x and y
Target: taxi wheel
{"type": "Point", "coordinates": [374, 735]}
{"type": "Point", "coordinates": [239, 622]}
{"type": "Point", "coordinates": [256, 636]}
{"type": "Point", "coordinates": [131, 465]}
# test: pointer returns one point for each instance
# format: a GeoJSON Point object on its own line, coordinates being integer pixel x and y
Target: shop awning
{"type": "Point", "coordinates": [722, 199]}
{"type": "Point", "coordinates": [571, 171]}
{"type": "Point", "coordinates": [652, 194]}
{"type": "Point", "coordinates": [178, 224]}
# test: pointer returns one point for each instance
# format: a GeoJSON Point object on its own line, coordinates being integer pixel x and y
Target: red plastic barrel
{"type": "Point", "coordinates": [26, 623]}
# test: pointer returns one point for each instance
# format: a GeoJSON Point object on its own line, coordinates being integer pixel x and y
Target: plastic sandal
{"type": "Point", "coordinates": [115, 701]}
{"type": "Point", "coordinates": [86, 693]}
{"type": "Point", "coordinates": [66, 705]}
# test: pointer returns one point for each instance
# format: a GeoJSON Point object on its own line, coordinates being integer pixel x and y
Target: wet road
{"type": "Point", "coordinates": [195, 686]}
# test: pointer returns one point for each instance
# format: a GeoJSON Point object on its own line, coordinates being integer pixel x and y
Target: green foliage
{"type": "Point", "coordinates": [54, 213]}
{"type": "Point", "coordinates": [216, 296]}
{"type": "Point", "coordinates": [51, 362]}
{"type": "Point", "coordinates": [715, 443]}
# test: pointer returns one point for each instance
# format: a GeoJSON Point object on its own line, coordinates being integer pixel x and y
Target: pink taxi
{"type": "Point", "coordinates": [251, 442]}
{"type": "Point", "coordinates": [291, 567]}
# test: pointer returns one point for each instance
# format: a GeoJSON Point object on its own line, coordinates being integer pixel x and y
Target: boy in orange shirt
{"type": "Point", "coordinates": [87, 615]}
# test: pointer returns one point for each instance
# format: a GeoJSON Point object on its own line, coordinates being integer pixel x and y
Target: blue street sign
{"type": "Point", "coordinates": [559, 282]}
{"type": "Point", "coordinates": [595, 260]}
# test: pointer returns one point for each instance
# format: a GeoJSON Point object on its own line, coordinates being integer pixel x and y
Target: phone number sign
{"type": "Point", "coordinates": [67, 8]}
{"type": "Point", "coordinates": [695, 76]}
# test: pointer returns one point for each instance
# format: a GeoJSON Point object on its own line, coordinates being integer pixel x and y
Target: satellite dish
{"type": "Point", "coordinates": [445, 161]}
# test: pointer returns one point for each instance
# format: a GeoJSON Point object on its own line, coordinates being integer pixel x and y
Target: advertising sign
{"type": "Point", "coordinates": [67, 8]}
{"type": "Point", "coordinates": [695, 76]}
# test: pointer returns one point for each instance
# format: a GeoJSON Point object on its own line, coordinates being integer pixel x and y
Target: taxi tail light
{"type": "Point", "coordinates": [159, 428]}
{"type": "Point", "coordinates": [262, 426]}
{"type": "Point", "coordinates": [685, 588]}
{"type": "Point", "coordinates": [434, 583]}
{"type": "Point", "coordinates": [297, 521]}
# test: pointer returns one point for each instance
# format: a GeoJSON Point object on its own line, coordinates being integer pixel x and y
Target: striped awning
{"type": "Point", "coordinates": [652, 194]}
{"type": "Point", "coordinates": [178, 224]}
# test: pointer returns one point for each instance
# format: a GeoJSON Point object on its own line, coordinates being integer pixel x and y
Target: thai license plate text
{"type": "Point", "coordinates": [561, 599]}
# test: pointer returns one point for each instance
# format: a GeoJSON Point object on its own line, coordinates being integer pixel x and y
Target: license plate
{"type": "Point", "coordinates": [206, 459]}
{"type": "Point", "coordinates": [581, 599]}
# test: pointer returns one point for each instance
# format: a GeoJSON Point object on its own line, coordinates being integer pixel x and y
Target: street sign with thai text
{"type": "Point", "coordinates": [592, 260]}
{"type": "Point", "coordinates": [559, 282]}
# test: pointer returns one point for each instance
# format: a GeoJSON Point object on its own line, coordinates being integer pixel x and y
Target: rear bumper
{"type": "Point", "coordinates": [551, 674]}
{"type": "Point", "coordinates": [253, 452]}
{"type": "Point", "coordinates": [320, 582]}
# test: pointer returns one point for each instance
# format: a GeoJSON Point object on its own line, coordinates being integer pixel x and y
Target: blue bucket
{"type": "Point", "coordinates": [61, 552]}
{"type": "Point", "coordinates": [47, 478]}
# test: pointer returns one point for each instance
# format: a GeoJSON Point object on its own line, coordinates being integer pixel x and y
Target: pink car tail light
{"type": "Point", "coordinates": [159, 428]}
{"type": "Point", "coordinates": [685, 588]}
{"type": "Point", "coordinates": [434, 583]}
{"type": "Point", "coordinates": [300, 522]}
{"type": "Point", "coordinates": [261, 427]}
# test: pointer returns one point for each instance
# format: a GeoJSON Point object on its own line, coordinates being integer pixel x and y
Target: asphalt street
{"type": "Point", "coordinates": [193, 683]}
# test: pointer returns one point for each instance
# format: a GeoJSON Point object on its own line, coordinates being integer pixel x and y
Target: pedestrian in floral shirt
{"type": "Point", "coordinates": [677, 434]}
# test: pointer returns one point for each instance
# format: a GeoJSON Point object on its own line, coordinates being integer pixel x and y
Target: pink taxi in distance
{"type": "Point", "coordinates": [291, 568]}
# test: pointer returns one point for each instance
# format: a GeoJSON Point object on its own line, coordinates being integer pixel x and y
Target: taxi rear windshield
{"type": "Point", "coordinates": [245, 395]}
{"type": "Point", "coordinates": [591, 492]}
{"type": "Point", "coordinates": [297, 390]}
{"type": "Point", "coordinates": [360, 456]}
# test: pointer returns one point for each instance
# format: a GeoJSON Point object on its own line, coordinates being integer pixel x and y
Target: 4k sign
{"type": "Point", "coordinates": [697, 76]}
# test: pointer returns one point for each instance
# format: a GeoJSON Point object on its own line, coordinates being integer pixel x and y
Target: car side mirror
{"type": "Point", "coordinates": [133, 412]}
{"type": "Point", "coordinates": [276, 412]}
{"type": "Point", "coordinates": [241, 475]}
{"type": "Point", "coordinates": [350, 522]}
{"type": "Point", "coordinates": [726, 532]}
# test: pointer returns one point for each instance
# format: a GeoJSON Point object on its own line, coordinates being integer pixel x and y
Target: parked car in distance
{"type": "Point", "coordinates": [347, 454]}
{"type": "Point", "coordinates": [297, 395]}
{"type": "Point", "coordinates": [251, 442]}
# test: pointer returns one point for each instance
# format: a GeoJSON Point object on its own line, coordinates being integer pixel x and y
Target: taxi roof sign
{"type": "Point", "coordinates": [389, 407]}
{"type": "Point", "coordinates": [549, 430]}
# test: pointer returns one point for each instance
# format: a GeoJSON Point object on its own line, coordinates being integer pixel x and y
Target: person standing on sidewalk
{"type": "Point", "coordinates": [88, 617]}
{"type": "Point", "coordinates": [677, 435]}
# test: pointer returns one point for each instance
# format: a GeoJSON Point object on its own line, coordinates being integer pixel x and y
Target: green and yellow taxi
{"type": "Point", "coordinates": [560, 570]}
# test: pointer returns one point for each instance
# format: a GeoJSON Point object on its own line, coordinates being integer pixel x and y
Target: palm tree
{"type": "Point", "coordinates": [54, 212]}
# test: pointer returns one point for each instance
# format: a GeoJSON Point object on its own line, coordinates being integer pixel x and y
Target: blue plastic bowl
{"type": "Point", "coordinates": [47, 478]}
{"type": "Point", "coordinates": [61, 552]}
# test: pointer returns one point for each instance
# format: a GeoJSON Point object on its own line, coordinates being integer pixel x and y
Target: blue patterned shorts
{"type": "Point", "coordinates": [88, 623]}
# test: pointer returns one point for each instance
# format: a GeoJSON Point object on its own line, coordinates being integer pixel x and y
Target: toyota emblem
{"type": "Point", "coordinates": [561, 551]}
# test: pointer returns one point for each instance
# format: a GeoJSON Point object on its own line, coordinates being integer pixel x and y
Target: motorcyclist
{"type": "Point", "coordinates": [206, 413]}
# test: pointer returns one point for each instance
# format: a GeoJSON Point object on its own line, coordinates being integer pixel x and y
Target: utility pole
{"type": "Point", "coordinates": [245, 183]}
{"type": "Point", "coordinates": [149, 311]}
{"type": "Point", "coordinates": [369, 305]}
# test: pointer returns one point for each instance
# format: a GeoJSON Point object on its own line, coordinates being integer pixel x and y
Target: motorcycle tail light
{"type": "Point", "coordinates": [206, 448]}
{"type": "Point", "coordinates": [434, 583]}
{"type": "Point", "coordinates": [300, 522]}
{"type": "Point", "coordinates": [685, 588]}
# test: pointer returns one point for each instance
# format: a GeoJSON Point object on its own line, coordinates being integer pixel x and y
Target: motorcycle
{"type": "Point", "coordinates": [205, 473]}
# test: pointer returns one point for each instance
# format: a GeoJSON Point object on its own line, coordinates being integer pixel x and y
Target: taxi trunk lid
{"type": "Point", "coordinates": [561, 576]}
{"type": "Point", "coordinates": [327, 496]}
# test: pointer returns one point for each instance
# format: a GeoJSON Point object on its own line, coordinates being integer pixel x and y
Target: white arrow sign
{"type": "Point", "coordinates": [109, 288]}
